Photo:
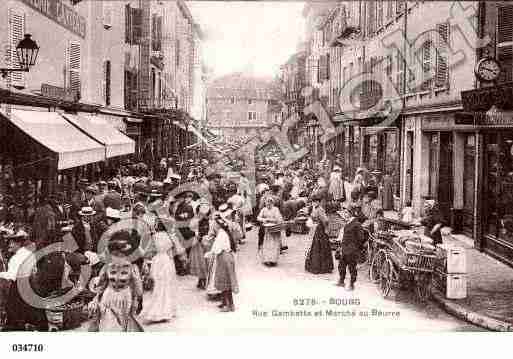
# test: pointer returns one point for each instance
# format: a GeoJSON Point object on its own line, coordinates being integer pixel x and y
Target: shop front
{"type": "Point", "coordinates": [439, 161]}
{"type": "Point", "coordinates": [489, 112]}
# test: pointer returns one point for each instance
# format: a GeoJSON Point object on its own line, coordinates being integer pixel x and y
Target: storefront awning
{"type": "Point", "coordinates": [51, 130]}
{"type": "Point", "coordinates": [116, 143]}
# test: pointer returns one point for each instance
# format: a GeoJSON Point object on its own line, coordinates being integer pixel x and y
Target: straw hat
{"type": "Point", "coordinates": [18, 236]}
{"type": "Point", "coordinates": [92, 189]}
{"type": "Point", "coordinates": [87, 211]}
{"type": "Point", "coordinates": [112, 213]}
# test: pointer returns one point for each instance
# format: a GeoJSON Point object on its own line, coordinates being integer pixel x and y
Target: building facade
{"type": "Point", "coordinates": [240, 106]}
{"type": "Point", "coordinates": [132, 64]}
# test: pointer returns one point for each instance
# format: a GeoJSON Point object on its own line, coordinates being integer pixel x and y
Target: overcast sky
{"type": "Point", "coordinates": [262, 34]}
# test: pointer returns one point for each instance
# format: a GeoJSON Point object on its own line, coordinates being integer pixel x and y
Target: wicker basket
{"type": "Point", "coordinates": [275, 228]}
{"type": "Point", "coordinates": [68, 316]}
{"type": "Point", "coordinates": [414, 261]}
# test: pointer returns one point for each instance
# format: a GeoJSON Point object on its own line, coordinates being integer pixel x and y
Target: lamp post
{"type": "Point", "coordinates": [26, 51]}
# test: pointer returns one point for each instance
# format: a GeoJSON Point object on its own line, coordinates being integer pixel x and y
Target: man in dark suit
{"type": "Point", "coordinates": [351, 247]}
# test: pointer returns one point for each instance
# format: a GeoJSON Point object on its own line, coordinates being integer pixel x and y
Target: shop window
{"type": "Point", "coordinates": [499, 185]}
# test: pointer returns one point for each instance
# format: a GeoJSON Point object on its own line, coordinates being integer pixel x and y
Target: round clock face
{"type": "Point", "coordinates": [488, 69]}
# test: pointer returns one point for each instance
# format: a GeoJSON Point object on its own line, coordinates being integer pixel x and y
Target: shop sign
{"type": "Point", "coordinates": [62, 14]}
{"type": "Point", "coordinates": [484, 98]}
{"type": "Point", "coordinates": [58, 93]}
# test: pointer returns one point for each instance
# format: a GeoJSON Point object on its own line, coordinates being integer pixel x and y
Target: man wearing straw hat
{"type": "Point", "coordinates": [20, 315]}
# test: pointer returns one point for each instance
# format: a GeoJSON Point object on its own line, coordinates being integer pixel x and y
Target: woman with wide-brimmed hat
{"type": "Point", "coordinates": [119, 288]}
{"type": "Point", "coordinates": [82, 231]}
{"type": "Point", "coordinates": [161, 303]}
{"type": "Point", "coordinates": [223, 249]}
{"type": "Point", "coordinates": [197, 262]}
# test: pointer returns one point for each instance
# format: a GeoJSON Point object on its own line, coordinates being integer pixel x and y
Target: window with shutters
{"type": "Point", "coordinates": [16, 32]}
{"type": "Point", "coordinates": [425, 54]}
{"type": "Point", "coordinates": [505, 42]}
{"type": "Point", "coordinates": [137, 24]}
{"type": "Point", "coordinates": [156, 33]}
{"type": "Point", "coordinates": [74, 67]}
{"type": "Point", "coordinates": [107, 15]}
{"type": "Point", "coordinates": [442, 55]}
{"type": "Point", "coordinates": [107, 81]}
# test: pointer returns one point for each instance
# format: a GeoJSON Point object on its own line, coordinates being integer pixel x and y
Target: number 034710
{"type": "Point", "coordinates": [27, 347]}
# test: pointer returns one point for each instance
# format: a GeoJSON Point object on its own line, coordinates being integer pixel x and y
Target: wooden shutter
{"type": "Point", "coordinates": [426, 65]}
{"type": "Point", "coordinates": [390, 9]}
{"type": "Point", "coordinates": [505, 24]}
{"type": "Point", "coordinates": [137, 24]}
{"type": "Point", "coordinates": [328, 66]}
{"type": "Point", "coordinates": [128, 24]}
{"type": "Point", "coordinates": [16, 32]}
{"type": "Point", "coordinates": [159, 33]}
{"type": "Point", "coordinates": [505, 42]}
{"type": "Point", "coordinates": [371, 17]}
{"type": "Point", "coordinates": [177, 52]}
{"type": "Point", "coordinates": [107, 69]}
{"type": "Point", "coordinates": [380, 14]}
{"type": "Point", "coordinates": [156, 32]}
{"type": "Point", "coordinates": [442, 55]}
{"type": "Point", "coordinates": [74, 66]}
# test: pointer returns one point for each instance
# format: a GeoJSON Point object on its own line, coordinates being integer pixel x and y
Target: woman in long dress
{"type": "Point", "coordinates": [270, 248]}
{"type": "Point", "coordinates": [119, 289]}
{"type": "Point", "coordinates": [223, 250]}
{"type": "Point", "coordinates": [319, 259]}
{"type": "Point", "coordinates": [160, 305]}
{"type": "Point", "coordinates": [198, 264]}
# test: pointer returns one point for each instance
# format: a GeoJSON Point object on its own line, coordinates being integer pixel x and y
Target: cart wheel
{"type": "Point", "coordinates": [374, 268]}
{"type": "Point", "coordinates": [386, 278]}
{"type": "Point", "coordinates": [423, 287]}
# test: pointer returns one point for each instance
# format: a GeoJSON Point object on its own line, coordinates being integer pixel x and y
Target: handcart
{"type": "Point", "coordinates": [400, 265]}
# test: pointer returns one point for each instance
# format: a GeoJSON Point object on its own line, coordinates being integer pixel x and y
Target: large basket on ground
{"type": "Point", "coordinates": [418, 260]}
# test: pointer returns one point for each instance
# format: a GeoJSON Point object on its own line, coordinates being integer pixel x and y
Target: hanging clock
{"type": "Point", "coordinates": [487, 69]}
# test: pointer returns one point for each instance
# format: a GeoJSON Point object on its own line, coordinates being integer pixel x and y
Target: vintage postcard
{"type": "Point", "coordinates": [316, 167]}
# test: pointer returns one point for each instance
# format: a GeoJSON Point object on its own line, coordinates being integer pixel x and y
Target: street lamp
{"type": "Point", "coordinates": [26, 51]}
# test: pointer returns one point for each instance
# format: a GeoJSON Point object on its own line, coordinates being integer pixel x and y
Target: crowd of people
{"type": "Point", "coordinates": [141, 228]}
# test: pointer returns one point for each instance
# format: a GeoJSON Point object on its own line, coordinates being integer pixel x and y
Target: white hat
{"type": "Point", "coordinates": [112, 213]}
{"type": "Point", "coordinates": [87, 211]}
{"type": "Point", "coordinates": [92, 257]}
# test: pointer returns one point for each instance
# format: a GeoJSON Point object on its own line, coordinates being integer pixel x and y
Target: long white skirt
{"type": "Point", "coordinates": [161, 303]}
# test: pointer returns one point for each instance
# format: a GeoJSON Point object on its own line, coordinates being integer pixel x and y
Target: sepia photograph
{"type": "Point", "coordinates": [289, 167]}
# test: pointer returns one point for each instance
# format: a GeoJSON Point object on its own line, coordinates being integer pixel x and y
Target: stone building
{"type": "Point", "coordinates": [240, 106]}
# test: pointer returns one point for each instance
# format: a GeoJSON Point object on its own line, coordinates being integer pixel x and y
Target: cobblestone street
{"type": "Point", "coordinates": [274, 290]}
